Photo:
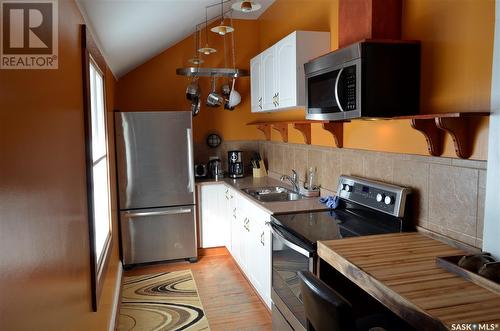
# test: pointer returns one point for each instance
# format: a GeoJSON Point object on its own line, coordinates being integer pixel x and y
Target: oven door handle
{"type": "Point", "coordinates": [281, 236]}
{"type": "Point", "coordinates": [337, 98]}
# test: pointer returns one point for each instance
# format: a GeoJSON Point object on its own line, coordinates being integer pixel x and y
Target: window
{"type": "Point", "coordinates": [100, 170]}
{"type": "Point", "coordinates": [97, 164]}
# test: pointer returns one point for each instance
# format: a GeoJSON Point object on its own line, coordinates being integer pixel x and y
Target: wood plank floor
{"type": "Point", "coordinates": [229, 301]}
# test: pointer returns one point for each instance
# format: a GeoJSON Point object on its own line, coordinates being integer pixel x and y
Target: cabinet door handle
{"type": "Point", "coordinates": [262, 238]}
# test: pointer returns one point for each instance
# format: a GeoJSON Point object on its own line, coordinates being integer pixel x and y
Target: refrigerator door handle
{"type": "Point", "coordinates": [190, 159]}
{"type": "Point", "coordinates": [159, 213]}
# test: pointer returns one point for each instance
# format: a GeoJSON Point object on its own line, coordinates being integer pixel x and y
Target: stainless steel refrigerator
{"type": "Point", "coordinates": [155, 186]}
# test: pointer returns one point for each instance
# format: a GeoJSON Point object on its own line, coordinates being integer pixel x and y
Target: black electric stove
{"type": "Point", "coordinates": [365, 208]}
{"type": "Point", "coordinates": [348, 220]}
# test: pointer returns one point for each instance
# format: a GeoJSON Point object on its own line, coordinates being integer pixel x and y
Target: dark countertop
{"type": "Point", "coordinates": [280, 207]}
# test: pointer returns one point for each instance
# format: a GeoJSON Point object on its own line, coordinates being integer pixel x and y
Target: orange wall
{"type": "Point", "coordinates": [44, 250]}
{"type": "Point", "coordinates": [457, 45]}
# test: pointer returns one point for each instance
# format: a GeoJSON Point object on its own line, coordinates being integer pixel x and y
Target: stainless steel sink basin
{"type": "Point", "coordinates": [272, 194]}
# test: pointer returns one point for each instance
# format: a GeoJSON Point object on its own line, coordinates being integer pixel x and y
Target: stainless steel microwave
{"type": "Point", "coordinates": [368, 79]}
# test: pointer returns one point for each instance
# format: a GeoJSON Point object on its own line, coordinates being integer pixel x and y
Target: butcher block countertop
{"type": "Point", "coordinates": [400, 271]}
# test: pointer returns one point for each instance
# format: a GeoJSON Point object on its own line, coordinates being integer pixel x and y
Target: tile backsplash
{"type": "Point", "coordinates": [448, 194]}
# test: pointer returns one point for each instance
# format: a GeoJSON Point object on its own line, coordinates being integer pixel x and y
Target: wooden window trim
{"type": "Point", "coordinates": [91, 53]}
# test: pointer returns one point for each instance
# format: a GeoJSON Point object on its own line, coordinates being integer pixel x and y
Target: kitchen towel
{"type": "Point", "coordinates": [331, 202]}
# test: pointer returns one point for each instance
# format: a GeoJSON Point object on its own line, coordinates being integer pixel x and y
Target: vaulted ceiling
{"type": "Point", "coordinates": [130, 32]}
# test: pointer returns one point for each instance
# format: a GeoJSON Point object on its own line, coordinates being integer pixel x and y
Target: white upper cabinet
{"type": "Point", "coordinates": [286, 72]}
{"type": "Point", "coordinates": [256, 97]}
{"type": "Point", "coordinates": [277, 74]}
{"type": "Point", "coordinates": [268, 78]}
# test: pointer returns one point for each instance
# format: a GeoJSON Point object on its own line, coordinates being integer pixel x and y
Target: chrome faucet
{"type": "Point", "coordinates": [294, 179]}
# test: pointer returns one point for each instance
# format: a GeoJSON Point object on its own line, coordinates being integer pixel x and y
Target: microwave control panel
{"type": "Point", "coordinates": [350, 87]}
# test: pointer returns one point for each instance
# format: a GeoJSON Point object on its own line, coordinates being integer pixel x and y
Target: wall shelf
{"type": "Point", "coordinates": [461, 127]}
{"type": "Point", "coordinates": [304, 126]}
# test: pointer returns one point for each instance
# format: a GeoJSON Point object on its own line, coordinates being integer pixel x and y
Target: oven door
{"type": "Point", "coordinates": [335, 93]}
{"type": "Point", "coordinates": [289, 256]}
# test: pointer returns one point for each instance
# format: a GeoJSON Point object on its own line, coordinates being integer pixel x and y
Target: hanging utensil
{"type": "Point", "coordinates": [226, 90]}
{"type": "Point", "coordinates": [214, 99]}
{"type": "Point", "coordinates": [195, 106]}
{"type": "Point", "coordinates": [193, 89]}
{"type": "Point", "coordinates": [234, 96]}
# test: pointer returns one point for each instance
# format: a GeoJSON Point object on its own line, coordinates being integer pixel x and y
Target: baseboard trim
{"type": "Point", "coordinates": [117, 299]}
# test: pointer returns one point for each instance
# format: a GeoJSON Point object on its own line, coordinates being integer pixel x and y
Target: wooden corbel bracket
{"type": "Point", "coordinates": [462, 131]}
{"type": "Point", "coordinates": [434, 136]}
{"type": "Point", "coordinates": [305, 129]}
{"type": "Point", "coordinates": [337, 131]}
{"type": "Point", "coordinates": [266, 129]}
{"type": "Point", "coordinates": [282, 128]}
{"type": "Point", "coordinates": [462, 127]}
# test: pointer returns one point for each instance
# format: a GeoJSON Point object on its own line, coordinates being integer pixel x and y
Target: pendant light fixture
{"type": "Point", "coordinates": [222, 29]}
{"type": "Point", "coordinates": [207, 50]}
{"type": "Point", "coordinates": [246, 6]}
{"type": "Point", "coordinates": [196, 60]}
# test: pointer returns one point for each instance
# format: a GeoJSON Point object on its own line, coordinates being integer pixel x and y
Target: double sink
{"type": "Point", "coordinates": [273, 194]}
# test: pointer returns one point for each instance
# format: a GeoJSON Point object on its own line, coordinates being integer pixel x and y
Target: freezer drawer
{"type": "Point", "coordinates": [158, 234]}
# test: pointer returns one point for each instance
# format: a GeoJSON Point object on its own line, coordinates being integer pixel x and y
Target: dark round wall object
{"type": "Point", "coordinates": [213, 140]}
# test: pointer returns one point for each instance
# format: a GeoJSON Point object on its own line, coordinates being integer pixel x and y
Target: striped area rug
{"type": "Point", "coordinates": [161, 302]}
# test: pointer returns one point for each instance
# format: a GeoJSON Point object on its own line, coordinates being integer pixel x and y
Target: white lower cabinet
{"type": "Point", "coordinates": [214, 225]}
{"type": "Point", "coordinates": [230, 219]}
{"type": "Point", "coordinates": [260, 254]}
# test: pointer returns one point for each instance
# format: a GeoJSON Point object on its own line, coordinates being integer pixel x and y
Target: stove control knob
{"type": "Point", "coordinates": [380, 197]}
{"type": "Point", "coordinates": [347, 188]}
{"type": "Point", "coordinates": [389, 200]}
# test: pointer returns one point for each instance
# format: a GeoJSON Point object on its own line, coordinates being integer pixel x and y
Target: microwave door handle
{"type": "Point", "coordinates": [290, 244]}
{"type": "Point", "coordinates": [337, 90]}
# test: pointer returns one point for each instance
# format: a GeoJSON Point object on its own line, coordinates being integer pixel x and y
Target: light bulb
{"type": "Point", "coordinates": [246, 6]}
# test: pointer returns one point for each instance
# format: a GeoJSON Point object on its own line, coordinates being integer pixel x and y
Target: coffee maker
{"type": "Point", "coordinates": [235, 164]}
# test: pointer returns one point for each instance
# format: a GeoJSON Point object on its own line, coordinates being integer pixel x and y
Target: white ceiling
{"type": "Point", "coordinates": [130, 32]}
